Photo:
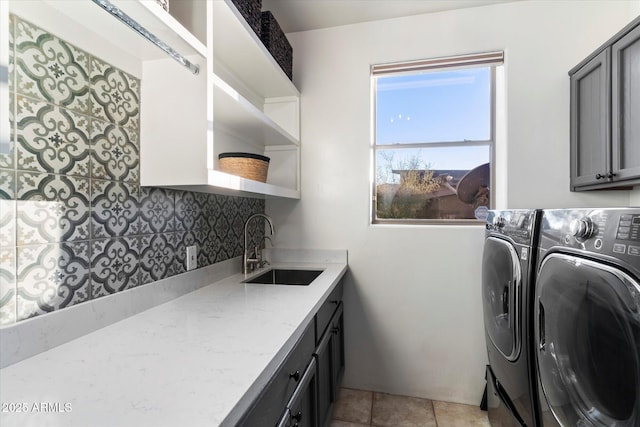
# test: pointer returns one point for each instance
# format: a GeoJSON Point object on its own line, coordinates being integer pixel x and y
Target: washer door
{"type": "Point", "coordinates": [501, 279]}
{"type": "Point", "coordinates": [587, 331]}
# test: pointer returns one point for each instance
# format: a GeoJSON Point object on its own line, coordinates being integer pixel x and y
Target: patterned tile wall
{"type": "Point", "coordinates": [75, 223]}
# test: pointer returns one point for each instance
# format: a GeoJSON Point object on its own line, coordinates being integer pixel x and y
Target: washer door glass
{"type": "Point", "coordinates": [501, 277]}
{"type": "Point", "coordinates": [587, 331]}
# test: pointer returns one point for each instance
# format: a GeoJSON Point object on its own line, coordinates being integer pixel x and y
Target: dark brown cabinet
{"type": "Point", "coordinates": [605, 115]}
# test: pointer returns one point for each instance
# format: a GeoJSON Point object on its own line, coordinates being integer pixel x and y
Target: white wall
{"type": "Point", "coordinates": [413, 312]}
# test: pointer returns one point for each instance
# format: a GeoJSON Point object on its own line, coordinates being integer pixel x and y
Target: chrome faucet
{"type": "Point", "coordinates": [250, 262]}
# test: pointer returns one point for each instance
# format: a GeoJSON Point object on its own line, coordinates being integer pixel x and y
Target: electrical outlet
{"type": "Point", "coordinates": [192, 257]}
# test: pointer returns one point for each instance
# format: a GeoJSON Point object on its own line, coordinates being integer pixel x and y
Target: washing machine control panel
{"type": "Point", "coordinates": [517, 224]}
{"type": "Point", "coordinates": [613, 232]}
{"type": "Point", "coordinates": [628, 228]}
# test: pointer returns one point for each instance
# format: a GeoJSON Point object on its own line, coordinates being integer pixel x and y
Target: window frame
{"type": "Point", "coordinates": [492, 60]}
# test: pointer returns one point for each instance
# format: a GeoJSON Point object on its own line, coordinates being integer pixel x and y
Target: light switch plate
{"type": "Point", "coordinates": [192, 257]}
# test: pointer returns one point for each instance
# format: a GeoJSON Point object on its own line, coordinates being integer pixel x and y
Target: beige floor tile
{"type": "Point", "coordinates": [458, 415]}
{"type": "Point", "coordinates": [401, 411]}
{"type": "Point", "coordinates": [337, 423]}
{"type": "Point", "coordinates": [353, 406]}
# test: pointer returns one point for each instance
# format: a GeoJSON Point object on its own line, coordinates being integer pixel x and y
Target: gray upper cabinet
{"type": "Point", "coordinates": [605, 115]}
{"type": "Point", "coordinates": [590, 121]}
{"type": "Point", "coordinates": [625, 117]}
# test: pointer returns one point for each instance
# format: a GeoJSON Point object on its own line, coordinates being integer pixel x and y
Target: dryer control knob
{"type": "Point", "coordinates": [582, 228]}
{"type": "Point", "coordinates": [499, 222]}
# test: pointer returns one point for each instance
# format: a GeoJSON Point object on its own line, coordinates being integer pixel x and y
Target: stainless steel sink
{"type": "Point", "coordinates": [286, 277]}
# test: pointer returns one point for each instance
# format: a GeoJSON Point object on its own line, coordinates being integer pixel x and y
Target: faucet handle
{"type": "Point", "coordinates": [260, 261]}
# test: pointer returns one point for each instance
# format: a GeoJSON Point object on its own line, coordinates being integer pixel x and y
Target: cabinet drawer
{"type": "Point", "coordinates": [326, 311]}
{"type": "Point", "coordinates": [302, 406]}
{"type": "Point", "coordinates": [268, 408]}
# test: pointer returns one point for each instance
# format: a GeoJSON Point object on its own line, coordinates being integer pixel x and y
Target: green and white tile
{"type": "Point", "coordinates": [7, 148]}
{"type": "Point", "coordinates": [11, 73]}
{"type": "Point", "coordinates": [7, 184]}
{"type": "Point", "coordinates": [7, 285]}
{"type": "Point", "coordinates": [51, 139]}
{"type": "Point", "coordinates": [51, 277]}
{"type": "Point", "coordinates": [157, 213]}
{"type": "Point", "coordinates": [115, 153]}
{"type": "Point", "coordinates": [115, 265]}
{"type": "Point", "coordinates": [50, 69]}
{"type": "Point", "coordinates": [51, 208]}
{"type": "Point", "coordinates": [115, 95]}
{"type": "Point", "coordinates": [7, 223]}
{"type": "Point", "coordinates": [114, 209]}
{"type": "Point", "coordinates": [7, 208]}
{"type": "Point", "coordinates": [157, 256]}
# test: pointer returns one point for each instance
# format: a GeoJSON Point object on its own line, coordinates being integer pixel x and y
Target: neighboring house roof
{"type": "Point", "coordinates": [455, 174]}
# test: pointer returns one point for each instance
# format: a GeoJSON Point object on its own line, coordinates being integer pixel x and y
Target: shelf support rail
{"type": "Point", "coordinates": [135, 26]}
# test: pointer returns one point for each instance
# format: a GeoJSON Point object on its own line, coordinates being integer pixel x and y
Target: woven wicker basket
{"type": "Point", "coordinates": [246, 165]}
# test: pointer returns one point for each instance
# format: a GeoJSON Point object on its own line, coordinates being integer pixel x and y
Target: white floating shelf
{"type": "Point", "coordinates": [224, 183]}
{"type": "Point", "coordinates": [232, 112]}
{"type": "Point", "coordinates": [87, 18]}
{"type": "Point", "coordinates": [241, 51]}
{"type": "Point", "coordinates": [233, 182]}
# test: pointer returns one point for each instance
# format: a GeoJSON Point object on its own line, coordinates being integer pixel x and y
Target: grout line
{"type": "Point", "coordinates": [373, 396]}
{"type": "Point", "coordinates": [433, 408]}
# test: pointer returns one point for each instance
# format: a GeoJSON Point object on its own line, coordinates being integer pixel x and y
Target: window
{"type": "Point", "coordinates": [433, 139]}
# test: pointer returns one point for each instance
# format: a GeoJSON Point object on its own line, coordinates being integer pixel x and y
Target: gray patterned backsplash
{"type": "Point", "coordinates": [75, 224]}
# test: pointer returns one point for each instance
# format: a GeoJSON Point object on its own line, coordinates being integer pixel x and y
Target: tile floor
{"type": "Point", "coordinates": [359, 408]}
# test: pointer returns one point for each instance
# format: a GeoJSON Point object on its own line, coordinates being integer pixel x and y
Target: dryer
{"type": "Point", "coordinates": [507, 266]}
{"type": "Point", "coordinates": [587, 318]}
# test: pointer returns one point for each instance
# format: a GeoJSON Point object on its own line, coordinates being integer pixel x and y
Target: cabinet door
{"type": "Point", "coordinates": [303, 404]}
{"type": "Point", "coordinates": [285, 421]}
{"type": "Point", "coordinates": [590, 122]}
{"type": "Point", "coordinates": [327, 310]}
{"type": "Point", "coordinates": [324, 358]}
{"type": "Point", "coordinates": [337, 351]}
{"type": "Point", "coordinates": [625, 66]}
{"type": "Point", "coordinates": [267, 409]}
{"type": "Point", "coordinates": [330, 362]}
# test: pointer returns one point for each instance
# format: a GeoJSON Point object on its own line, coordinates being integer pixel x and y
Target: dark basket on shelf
{"type": "Point", "coordinates": [251, 10]}
{"type": "Point", "coordinates": [246, 165]}
{"type": "Point", "coordinates": [276, 42]}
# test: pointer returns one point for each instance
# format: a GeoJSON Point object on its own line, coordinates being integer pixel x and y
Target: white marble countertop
{"type": "Point", "coordinates": [198, 360]}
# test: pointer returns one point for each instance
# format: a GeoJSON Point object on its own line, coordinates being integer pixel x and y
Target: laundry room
{"type": "Point", "coordinates": [442, 177]}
